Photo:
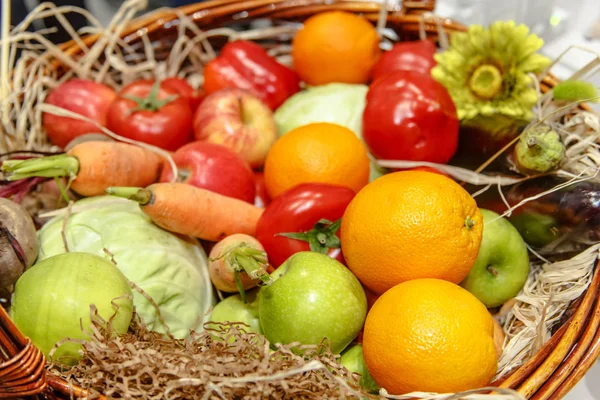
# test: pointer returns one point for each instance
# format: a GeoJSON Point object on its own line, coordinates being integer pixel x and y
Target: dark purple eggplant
{"type": "Point", "coordinates": [571, 213]}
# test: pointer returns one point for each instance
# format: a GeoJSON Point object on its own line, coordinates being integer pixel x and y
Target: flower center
{"type": "Point", "coordinates": [486, 81]}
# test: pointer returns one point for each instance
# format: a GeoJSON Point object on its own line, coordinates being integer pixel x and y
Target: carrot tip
{"type": "Point", "coordinates": [141, 195]}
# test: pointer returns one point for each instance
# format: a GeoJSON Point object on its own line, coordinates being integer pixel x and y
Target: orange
{"type": "Point", "coordinates": [335, 46]}
{"type": "Point", "coordinates": [319, 152]}
{"type": "Point", "coordinates": [429, 335]}
{"type": "Point", "coordinates": [428, 169]}
{"type": "Point", "coordinates": [410, 225]}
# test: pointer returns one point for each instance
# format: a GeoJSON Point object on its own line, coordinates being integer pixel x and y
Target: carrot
{"type": "Point", "coordinates": [94, 166]}
{"type": "Point", "coordinates": [188, 210]}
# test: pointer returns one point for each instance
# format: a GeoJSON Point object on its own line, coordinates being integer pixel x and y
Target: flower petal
{"type": "Point", "coordinates": [534, 63]}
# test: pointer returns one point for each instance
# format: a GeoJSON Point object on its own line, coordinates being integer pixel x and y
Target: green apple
{"type": "Point", "coordinates": [353, 360]}
{"type": "Point", "coordinates": [233, 309]}
{"type": "Point", "coordinates": [502, 265]}
{"type": "Point", "coordinates": [312, 297]}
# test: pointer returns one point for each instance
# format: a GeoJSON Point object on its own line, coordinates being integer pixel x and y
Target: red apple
{"type": "Point", "coordinates": [213, 167]}
{"type": "Point", "coordinates": [81, 96]}
{"type": "Point", "coordinates": [262, 197]}
{"type": "Point", "coordinates": [238, 120]}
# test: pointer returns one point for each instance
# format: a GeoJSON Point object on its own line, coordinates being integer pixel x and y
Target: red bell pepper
{"type": "Point", "coordinates": [407, 56]}
{"type": "Point", "coordinates": [410, 116]}
{"type": "Point", "coordinates": [246, 65]}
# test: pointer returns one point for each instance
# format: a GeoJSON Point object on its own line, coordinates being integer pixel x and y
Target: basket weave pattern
{"type": "Point", "coordinates": [549, 374]}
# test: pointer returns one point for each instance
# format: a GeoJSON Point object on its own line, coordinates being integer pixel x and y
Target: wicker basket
{"type": "Point", "coordinates": [550, 374]}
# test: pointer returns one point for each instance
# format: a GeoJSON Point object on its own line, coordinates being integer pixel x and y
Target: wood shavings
{"type": "Point", "coordinates": [220, 362]}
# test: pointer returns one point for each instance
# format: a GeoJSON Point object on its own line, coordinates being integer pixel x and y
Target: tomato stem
{"type": "Point", "coordinates": [321, 237]}
{"type": "Point", "coordinates": [151, 102]}
{"type": "Point", "coordinates": [47, 167]}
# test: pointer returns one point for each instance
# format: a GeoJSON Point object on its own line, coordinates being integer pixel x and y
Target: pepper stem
{"type": "Point", "coordinates": [46, 167]}
{"type": "Point", "coordinates": [486, 81]}
{"type": "Point", "coordinates": [141, 195]}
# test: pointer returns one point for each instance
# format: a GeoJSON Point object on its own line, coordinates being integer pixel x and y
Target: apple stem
{"type": "Point", "coordinates": [141, 195]}
{"type": "Point", "coordinates": [48, 167]}
{"type": "Point", "coordinates": [183, 174]}
{"type": "Point", "coordinates": [492, 270]}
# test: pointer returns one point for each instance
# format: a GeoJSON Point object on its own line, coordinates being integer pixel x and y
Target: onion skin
{"type": "Point", "coordinates": [18, 244]}
{"type": "Point", "coordinates": [221, 271]}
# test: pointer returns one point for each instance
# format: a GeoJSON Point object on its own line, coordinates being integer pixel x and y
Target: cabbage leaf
{"type": "Point", "coordinates": [336, 103]}
{"type": "Point", "coordinates": [171, 269]}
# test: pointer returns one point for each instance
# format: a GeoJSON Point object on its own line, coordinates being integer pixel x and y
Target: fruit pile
{"type": "Point", "coordinates": [259, 198]}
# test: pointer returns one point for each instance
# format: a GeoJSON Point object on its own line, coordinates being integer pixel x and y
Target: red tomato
{"type": "Point", "coordinates": [152, 114]}
{"type": "Point", "coordinates": [213, 167]}
{"type": "Point", "coordinates": [181, 86]}
{"type": "Point", "coordinates": [87, 98]}
{"type": "Point", "coordinates": [298, 211]}
{"type": "Point", "coordinates": [410, 116]}
{"type": "Point", "coordinates": [407, 56]}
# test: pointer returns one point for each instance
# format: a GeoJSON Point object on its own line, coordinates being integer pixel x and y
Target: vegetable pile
{"type": "Point", "coordinates": [242, 221]}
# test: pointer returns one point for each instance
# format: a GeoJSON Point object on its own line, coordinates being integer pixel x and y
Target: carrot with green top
{"type": "Point", "coordinates": [94, 166]}
{"type": "Point", "coordinates": [188, 210]}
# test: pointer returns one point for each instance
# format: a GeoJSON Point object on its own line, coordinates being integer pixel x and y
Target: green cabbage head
{"type": "Point", "coordinates": [336, 103]}
{"type": "Point", "coordinates": [170, 269]}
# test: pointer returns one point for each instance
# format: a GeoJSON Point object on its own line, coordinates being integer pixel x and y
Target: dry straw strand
{"type": "Point", "coordinates": [544, 299]}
